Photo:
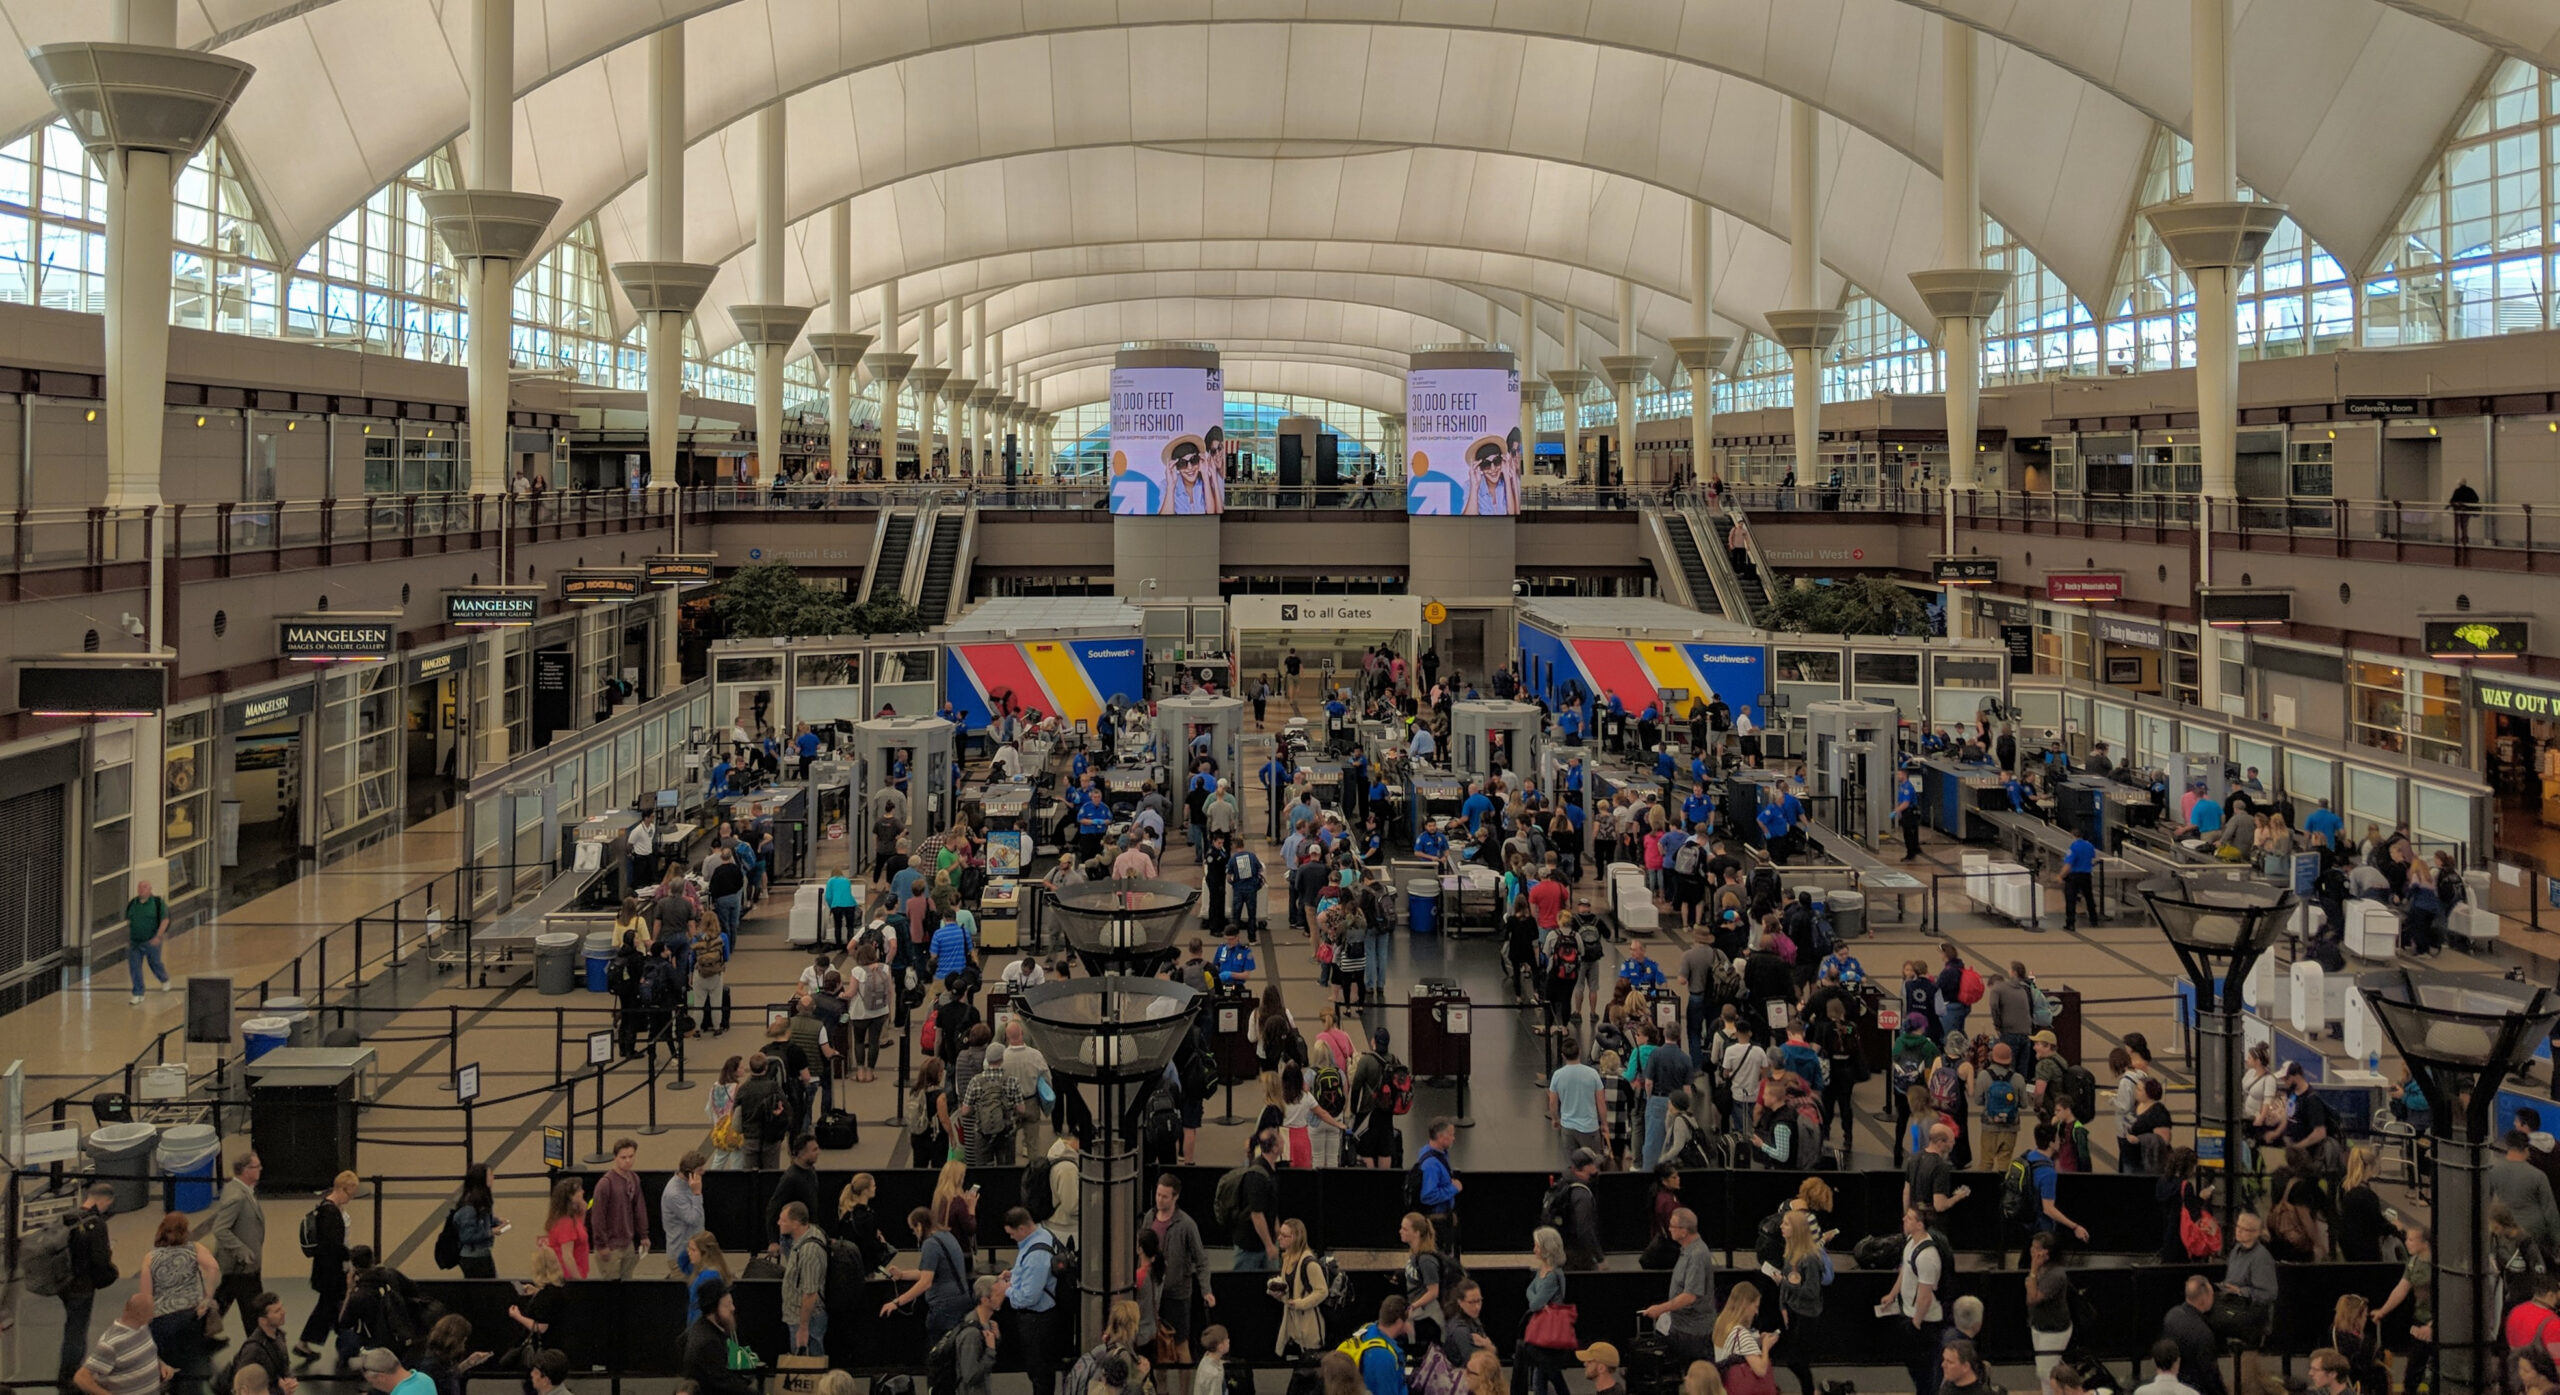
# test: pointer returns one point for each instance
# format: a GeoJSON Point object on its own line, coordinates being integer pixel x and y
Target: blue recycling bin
{"type": "Point", "coordinates": [599, 960]}
{"type": "Point", "coordinates": [1422, 905]}
{"type": "Point", "coordinates": [187, 1155]}
{"type": "Point", "coordinates": [260, 1035]}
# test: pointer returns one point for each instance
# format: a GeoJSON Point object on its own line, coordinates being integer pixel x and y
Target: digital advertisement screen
{"type": "Point", "coordinates": [1462, 432]}
{"type": "Point", "coordinates": [1168, 440]}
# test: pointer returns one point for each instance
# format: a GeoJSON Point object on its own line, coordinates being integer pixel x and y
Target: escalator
{"type": "Point", "coordinates": [941, 566]}
{"type": "Point", "coordinates": [889, 567]}
{"type": "Point", "coordinates": [1693, 565]}
{"type": "Point", "coordinates": [1754, 593]}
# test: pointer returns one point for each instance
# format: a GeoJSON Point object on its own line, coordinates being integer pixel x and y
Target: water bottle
{"type": "Point", "coordinates": [2373, 1062]}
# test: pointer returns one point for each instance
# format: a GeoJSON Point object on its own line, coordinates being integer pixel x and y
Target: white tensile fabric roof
{"type": "Point", "coordinates": [1297, 151]}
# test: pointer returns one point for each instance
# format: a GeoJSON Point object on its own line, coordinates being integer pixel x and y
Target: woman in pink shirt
{"type": "Point", "coordinates": [566, 1234]}
{"type": "Point", "coordinates": [1653, 859]}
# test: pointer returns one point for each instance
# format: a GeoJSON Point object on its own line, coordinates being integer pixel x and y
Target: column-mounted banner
{"type": "Point", "coordinates": [594, 585]}
{"type": "Point", "coordinates": [682, 568]}
{"type": "Point", "coordinates": [1463, 453]}
{"type": "Point", "coordinates": [1168, 430]}
{"type": "Point", "coordinates": [321, 637]}
{"type": "Point", "coordinates": [492, 607]}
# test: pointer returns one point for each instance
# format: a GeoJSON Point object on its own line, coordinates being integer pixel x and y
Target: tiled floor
{"type": "Point", "coordinates": [2124, 972]}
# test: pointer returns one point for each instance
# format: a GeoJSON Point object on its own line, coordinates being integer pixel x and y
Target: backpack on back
{"type": "Point", "coordinates": [309, 1235]}
{"type": "Point", "coordinates": [1804, 1146]}
{"type": "Point", "coordinates": [449, 1240]}
{"type": "Point", "coordinates": [1229, 1197]}
{"type": "Point", "coordinates": [1038, 1196]}
{"type": "Point", "coordinates": [47, 1262]}
{"type": "Point", "coordinates": [2039, 1006]}
{"type": "Point", "coordinates": [1329, 1090]}
{"type": "Point", "coordinates": [2083, 1087]}
{"type": "Point", "coordinates": [942, 1365]}
{"type": "Point", "coordinates": [2020, 1200]}
{"type": "Point", "coordinates": [2000, 1099]}
{"type": "Point", "coordinates": [1394, 1094]}
{"type": "Point", "coordinates": [1565, 965]}
{"type": "Point", "coordinates": [1968, 986]}
{"type": "Point", "coordinates": [1946, 1087]}
{"type": "Point", "coordinates": [875, 990]}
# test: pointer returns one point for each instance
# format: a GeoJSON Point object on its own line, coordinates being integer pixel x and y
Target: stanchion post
{"type": "Point", "coordinates": [677, 1049]}
{"type": "Point", "coordinates": [452, 1045]}
{"type": "Point", "coordinates": [653, 1128]}
{"type": "Point", "coordinates": [470, 1143]}
{"type": "Point", "coordinates": [599, 1155]}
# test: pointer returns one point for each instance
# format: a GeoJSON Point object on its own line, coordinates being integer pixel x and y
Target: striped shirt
{"type": "Point", "coordinates": [125, 1361]}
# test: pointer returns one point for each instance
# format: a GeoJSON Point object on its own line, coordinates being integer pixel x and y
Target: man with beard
{"type": "Point", "coordinates": [1189, 487]}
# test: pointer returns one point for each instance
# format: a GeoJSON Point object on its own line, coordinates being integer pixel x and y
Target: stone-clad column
{"type": "Point", "coordinates": [1699, 351]}
{"type": "Point", "coordinates": [666, 288]}
{"type": "Point", "coordinates": [1806, 329]}
{"type": "Point", "coordinates": [766, 325]}
{"type": "Point", "coordinates": [838, 348]}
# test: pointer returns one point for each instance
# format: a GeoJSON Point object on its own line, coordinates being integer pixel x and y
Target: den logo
{"type": "Point", "coordinates": [1288, 613]}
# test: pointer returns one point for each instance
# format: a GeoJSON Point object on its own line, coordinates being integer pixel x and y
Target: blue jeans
{"type": "Point", "coordinates": [728, 909]}
{"type": "Point", "coordinates": [1951, 1015]}
{"type": "Point", "coordinates": [1199, 834]}
{"type": "Point", "coordinates": [1376, 977]}
{"type": "Point", "coordinates": [1698, 1027]}
{"type": "Point", "coordinates": [1657, 1114]}
{"type": "Point", "coordinates": [135, 956]}
{"type": "Point", "coordinates": [1250, 1260]}
{"type": "Point", "coordinates": [817, 1343]}
{"type": "Point", "coordinates": [1248, 909]}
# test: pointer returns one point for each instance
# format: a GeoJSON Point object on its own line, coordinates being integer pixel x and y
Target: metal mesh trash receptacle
{"type": "Point", "coordinates": [1848, 915]}
{"type": "Point", "coordinates": [1422, 905]}
{"type": "Point", "coordinates": [121, 1156]}
{"type": "Point", "coordinates": [188, 1153]}
{"type": "Point", "coordinates": [555, 964]}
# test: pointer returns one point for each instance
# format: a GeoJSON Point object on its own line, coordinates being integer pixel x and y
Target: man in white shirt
{"type": "Point", "coordinates": [2164, 1366]}
{"type": "Point", "coordinates": [1922, 1273]}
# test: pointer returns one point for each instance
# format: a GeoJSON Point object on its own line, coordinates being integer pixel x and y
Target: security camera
{"type": "Point", "coordinates": [132, 624]}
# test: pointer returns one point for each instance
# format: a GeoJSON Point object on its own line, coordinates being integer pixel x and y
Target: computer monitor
{"type": "Point", "coordinates": [670, 799]}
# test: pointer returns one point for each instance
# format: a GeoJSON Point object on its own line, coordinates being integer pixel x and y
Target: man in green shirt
{"type": "Point", "coordinates": [143, 917]}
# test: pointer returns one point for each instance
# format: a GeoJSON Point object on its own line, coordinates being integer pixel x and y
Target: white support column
{"type": "Point", "coordinates": [1530, 389]}
{"type": "Point", "coordinates": [1569, 382]}
{"type": "Point", "coordinates": [839, 348]}
{"type": "Point", "coordinates": [955, 390]}
{"type": "Point", "coordinates": [840, 320]}
{"type": "Point", "coordinates": [1699, 351]}
{"type": "Point", "coordinates": [2214, 236]}
{"type": "Point", "coordinates": [1806, 328]}
{"type": "Point", "coordinates": [889, 368]}
{"type": "Point", "coordinates": [927, 377]}
{"type": "Point", "coordinates": [666, 246]}
{"type": "Point", "coordinates": [187, 94]}
{"type": "Point", "coordinates": [490, 293]}
{"type": "Point", "coordinates": [1626, 370]}
{"type": "Point", "coordinates": [1960, 293]}
{"type": "Point", "coordinates": [772, 145]}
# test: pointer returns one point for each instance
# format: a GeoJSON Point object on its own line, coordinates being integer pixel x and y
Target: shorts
{"type": "Point", "coordinates": [1377, 1138]}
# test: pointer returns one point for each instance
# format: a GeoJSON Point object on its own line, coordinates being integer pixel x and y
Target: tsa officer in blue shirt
{"type": "Point", "coordinates": [1569, 725]}
{"type": "Point", "coordinates": [1474, 807]}
{"type": "Point", "coordinates": [1906, 812]}
{"type": "Point", "coordinates": [2022, 797]}
{"type": "Point", "coordinates": [2078, 868]}
{"type": "Point", "coordinates": [1430, 844]}
{"type": "Point", "coordinates": [1573, 776]}
{"type": "Point", "coordinates": [1697, 808]}
{"type": "Point", "coordinates": [1773, 830]}
{"type": "Point", "coordinates": [1077, 767]}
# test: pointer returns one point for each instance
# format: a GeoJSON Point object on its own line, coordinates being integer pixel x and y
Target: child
{"type": "Point", "coordinates": [1210, 1376]}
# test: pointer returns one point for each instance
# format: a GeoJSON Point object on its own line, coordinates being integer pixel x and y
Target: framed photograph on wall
{"type": "Point", "coordinates": [2124, 669]}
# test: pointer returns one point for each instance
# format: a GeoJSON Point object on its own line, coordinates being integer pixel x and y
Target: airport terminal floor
{"type": "Point", "coordinates": [413, 1136]}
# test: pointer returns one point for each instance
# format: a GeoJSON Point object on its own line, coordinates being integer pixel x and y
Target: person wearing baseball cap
{"type": "Point", "coordinates": [1599, 1363]}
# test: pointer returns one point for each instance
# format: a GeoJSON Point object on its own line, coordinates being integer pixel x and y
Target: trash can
{"type": "Point", "coordinates": [1422, 905]}
{"type": "Point", "coordinates": [1848, 915]}
{"type": "Point", "coordinates": [265, 1034]}
{"type": "Point", "coordinates": [599, 958]}
{"type": "Point", "coordinates": [555, 964]}
{"type": "Point", "coordinates": [188, 1153]}
{"type": "Point", "coordinates": [306, 1028]}
{"type": "Point", "coordinates": [121, 1156]}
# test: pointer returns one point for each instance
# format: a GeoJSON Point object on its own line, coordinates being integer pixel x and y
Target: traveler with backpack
{"type": "Point", "coordinates": [2003, 1094]}
{"type": "Point", "coordinates": [324, 1242]}
{"type": "Point", "coordinates": [262, 1347]}
{"type": "Point", "coordinates": [1926, 1269]}
{"type": "Point", "coordinates": [1574, 1212]}
{"type": "Point", "coordinates": [1435, 1184]}
{"type": "Point", "coordinates": [963, 1360]}
{"type": "Point", "coordinates": [1378, 1348]}
{"type": "Point", "coordinates": [1959, 988]}
{"type": "Point", "coordinates": [2026, 1195]}
{"type": "Point", "coordinates": [763, 1112]}
{"type": "Point", "coordinates": [804, 1282]}
{"type": "Point", "coordinates": [1786, 1131]}
{"type": "Point", "coordinates": [869, 1001]}
{"type": "Point", "coordinates": [1052, 1189]}
{"type": "Point", "coordinates": [1248, 1204]}
{"type": "Point", "coordinates": [1379, 1088]}
{"type": "Point", "coordinates": [1043, 1328]}
{"type": "Point", "coordinates": [71, 1259]}
{"type": "Point", "coordinates": [1182, 1282]}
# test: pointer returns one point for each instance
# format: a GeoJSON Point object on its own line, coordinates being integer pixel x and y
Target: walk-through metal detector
{"type": "Point", "coordinates": [928, 745]}
{"type": "Point", "coordinates": [2186, 767]}
{"type": "Point", "coordinates": [1181, 721]}
{"type": "Point", "coordinates": [1853, 764]}
{"type": "Point", "coordinates": [1473, 727]}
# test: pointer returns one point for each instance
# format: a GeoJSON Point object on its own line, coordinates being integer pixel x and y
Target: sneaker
{"type": "Point", "coordinates": [137, 1000]}
{"type": "Point", "coordinates": [169, 985]}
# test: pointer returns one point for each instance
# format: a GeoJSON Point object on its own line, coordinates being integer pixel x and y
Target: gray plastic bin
{"type": "Point", "coordinates": [1848, 914]}
{"type": "Point", "coordinates": [555, 964]}
{"type": "Point", "coordinates": [121, 1155]}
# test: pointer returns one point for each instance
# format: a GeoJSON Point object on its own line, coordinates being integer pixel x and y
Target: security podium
{"type": "Point", "coordinates": [928, 746]}
{"type": "Point", "coordinates": [1180, 721]}
{"type": "Point", "coordinates": [1853, 765]}
{"type": "Point", "coordinates": [1473, 731]}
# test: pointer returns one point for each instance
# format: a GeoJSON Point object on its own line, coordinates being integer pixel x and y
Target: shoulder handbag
{"type": "Point", "coordinates": [1551, 1328]}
